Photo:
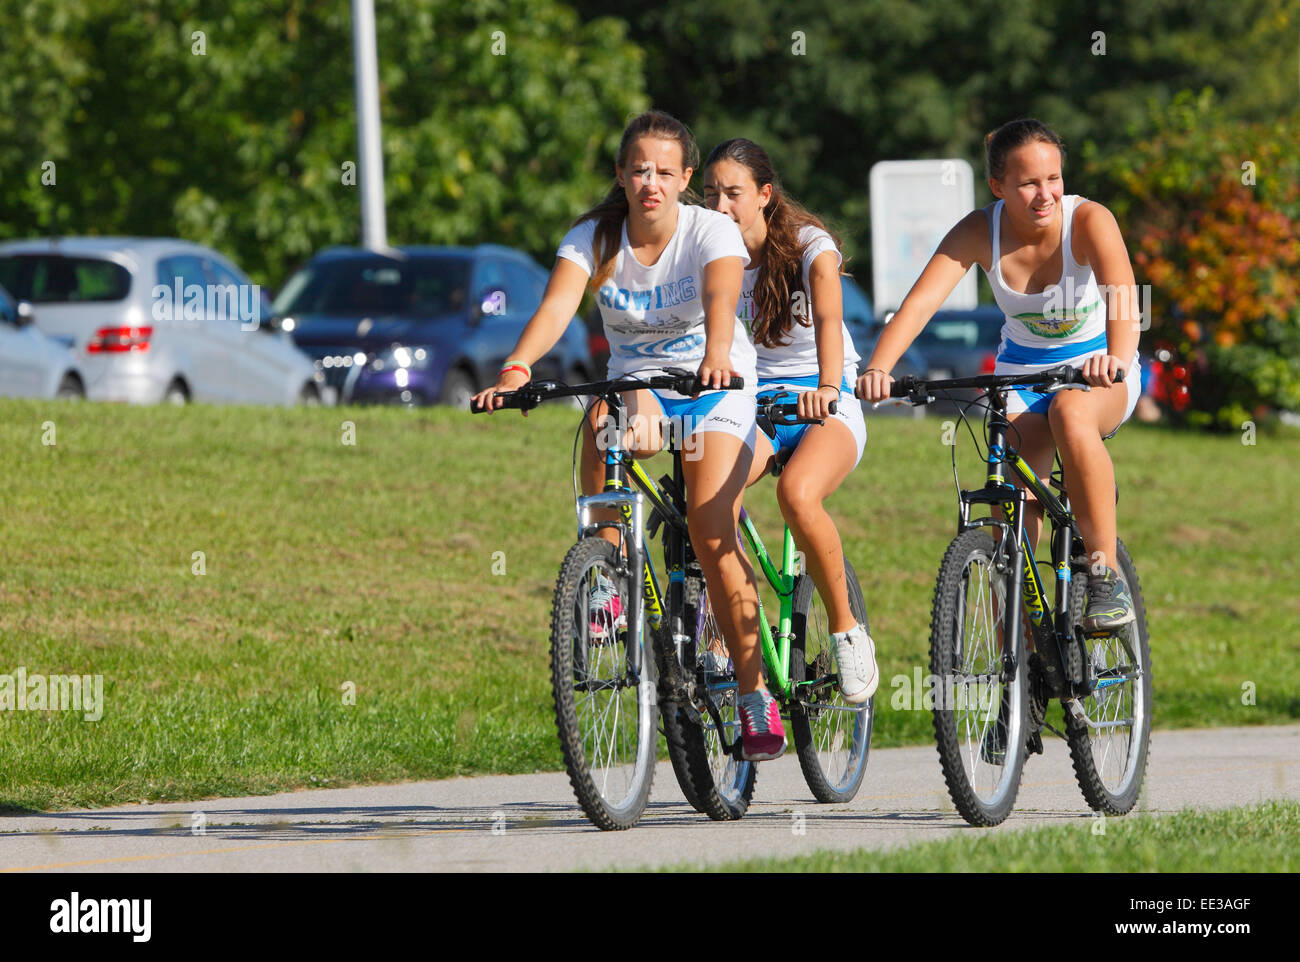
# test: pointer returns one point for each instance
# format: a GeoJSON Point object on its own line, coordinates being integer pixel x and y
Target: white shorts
{"type": "Point", "coordinates": [848, 412]}
{"type": "Point", "coordinates": [1022, 399]}
{"type": "Point", "coordinates": [728, 412]}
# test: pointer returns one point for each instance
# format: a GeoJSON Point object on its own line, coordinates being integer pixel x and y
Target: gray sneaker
{"type": "Point", "coordinates": [1110, 606]}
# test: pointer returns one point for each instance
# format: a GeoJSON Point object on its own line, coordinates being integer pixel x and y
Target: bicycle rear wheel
{"type": "Point", "coordinates": [715, 782]}
{"type": "Point", "coordinates": [1110, 755]}
{"type": "Point", "coordinates": [831, 736]}
{"type": "Point", "coordinates": [605, 707]}
{"type": "Point", "coordinates": [979, 720]}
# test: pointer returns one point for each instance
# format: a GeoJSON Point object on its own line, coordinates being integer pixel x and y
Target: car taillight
{"type": "Point", "coordinates": [989, 364]}
{"type": "Point", "coordinates": [119, 340]}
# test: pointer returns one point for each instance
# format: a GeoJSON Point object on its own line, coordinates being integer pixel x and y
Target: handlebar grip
{"type": "Point", "coordinates": [690, 384]}
{"type": "Point", "coordinates": [903, 386]}
{"type": "Point", "coordinates": [518, 400]}
{"type": "Point", "coordinates": [833, 407]}
{"type": "Point", "coordinates": [1074, 375]}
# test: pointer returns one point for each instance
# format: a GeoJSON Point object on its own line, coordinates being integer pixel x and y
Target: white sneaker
{"type": "Point", "coordinates": [856, 655]}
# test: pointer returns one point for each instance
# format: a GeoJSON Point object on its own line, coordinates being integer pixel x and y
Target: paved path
{"type": "Point", "coordinates": [532, 823]}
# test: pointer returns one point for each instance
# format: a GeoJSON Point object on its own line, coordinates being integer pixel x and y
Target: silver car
{"type": "Point", "coordinates": [32, 364]}
{"type": "Point", "coordinates": [159, 319]}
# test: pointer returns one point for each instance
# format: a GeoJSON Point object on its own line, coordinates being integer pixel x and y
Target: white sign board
{"type": "Point", "coordinates": [914, 203]}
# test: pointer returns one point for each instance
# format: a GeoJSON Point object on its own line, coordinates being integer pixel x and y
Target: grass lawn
{"type": "Point", "coordinates": [1254, 838]}
{"type": "Point", "coordinates": [379, 611]}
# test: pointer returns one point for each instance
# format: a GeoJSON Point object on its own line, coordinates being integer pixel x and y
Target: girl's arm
{"type": "Point", "coordinates": [722, 281]}
{"type": "Point", "coordinates": [1101, 246]}
{"type": "Point", "coordinates": [964, 245]}
{"type": "Point", "coordinates": [828, 326]}
{"type": "Point", "coordinates": [560, 302]}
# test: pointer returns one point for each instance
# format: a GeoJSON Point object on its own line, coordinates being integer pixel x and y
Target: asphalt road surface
{"type": "Point", "coordinates": [532, 823]}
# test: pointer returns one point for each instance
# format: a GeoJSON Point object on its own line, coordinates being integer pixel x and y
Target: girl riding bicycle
{"type": "Point", "coordinates": [1061, 275]}
{"type": "Point", "coordinates": [667, 277]}
{"type": "Point", "coordinates": [792, 302]}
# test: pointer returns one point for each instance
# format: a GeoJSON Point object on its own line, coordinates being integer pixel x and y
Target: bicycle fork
{"type": "Point", "coordinates": [630, 505]}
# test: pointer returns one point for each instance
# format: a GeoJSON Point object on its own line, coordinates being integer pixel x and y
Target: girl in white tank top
{"type": "Point", "coordinates": [1086, 317]}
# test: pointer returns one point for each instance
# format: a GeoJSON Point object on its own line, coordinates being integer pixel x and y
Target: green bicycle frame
{"type": "Point", "coordinates": [776, 652]}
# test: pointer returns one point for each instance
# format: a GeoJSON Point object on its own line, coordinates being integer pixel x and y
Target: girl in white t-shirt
{"type": "Point", "coordinates": [666, 278]}
{"type": "Point", "coordinates": [792, 303]}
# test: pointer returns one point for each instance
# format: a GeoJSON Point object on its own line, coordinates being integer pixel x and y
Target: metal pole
{"type": "Point", "coordinates": [370, 159]}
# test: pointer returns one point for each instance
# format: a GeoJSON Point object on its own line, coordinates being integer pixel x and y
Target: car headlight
{"type": "Point", "coordinates": [399, 357]}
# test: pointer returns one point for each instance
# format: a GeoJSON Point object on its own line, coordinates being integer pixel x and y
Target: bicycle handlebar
{"type": "Point", "coordinates": [535, 392]}
{"type": "Point", "coordinates": [918, 389]}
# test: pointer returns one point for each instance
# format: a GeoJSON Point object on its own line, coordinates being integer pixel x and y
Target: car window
{"type": "Point", "coordinates": [186, 268]}
{"type": "Point", "coordinates": [523, 289]}
{"type": "Point", "coordinates": [232, 294]}
{"type": "Point", "coordinates": [965, 331]}
{"type": "Point", "coordinates": [56, 278]}
{"type": "Point", "coordinates": [359, 287]}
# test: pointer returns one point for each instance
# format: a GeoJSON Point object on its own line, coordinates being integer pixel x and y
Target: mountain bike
{"type": "Point", "coordinates": [991, 693]}
{"type": "Point", "coordinates": [615, 666]}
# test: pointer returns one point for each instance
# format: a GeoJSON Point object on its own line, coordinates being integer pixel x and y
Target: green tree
{"type": "Point", "coordinates": [831, 87]}
{"type": "Point", "coordinates": [230, 123]}
{"type": "Point", "coordinates": [1211, 211]}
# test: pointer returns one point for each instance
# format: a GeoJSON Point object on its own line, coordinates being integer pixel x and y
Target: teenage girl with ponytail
{"type": "Point", "coordinates": [666, 277]}
{"type": "Point", "coordinates": [792, 302]}
{"type": "Point", "coordinates": [1061, 275]}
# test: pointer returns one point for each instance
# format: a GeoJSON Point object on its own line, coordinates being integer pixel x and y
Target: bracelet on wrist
{"type": "Point", "coordinates": [516, 366]}
{"type": "Point", "coordinates": [833, 387]}
{"type": "Point", "coordinates": [870, 369]}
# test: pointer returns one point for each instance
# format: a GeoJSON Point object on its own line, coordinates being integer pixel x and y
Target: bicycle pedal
{"type": "Point", "coordinates": [1034, 745]}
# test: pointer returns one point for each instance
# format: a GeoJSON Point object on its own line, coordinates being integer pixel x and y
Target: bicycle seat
{"type": "Point", "coordinates": [779, 461]}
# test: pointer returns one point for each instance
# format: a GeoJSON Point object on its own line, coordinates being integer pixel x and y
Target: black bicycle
{"type": "Point", "coordinates": [990, 699]}
{"type": "Point", "coordinates": [625, 653]}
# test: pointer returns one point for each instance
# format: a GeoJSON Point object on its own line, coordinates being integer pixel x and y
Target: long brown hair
{"type": "Point", "coordinates": [781, 264]}
{"type": "Point", "coordinates": [1013, 134]}
{"type": "Point", "coordinates": [612, 211]}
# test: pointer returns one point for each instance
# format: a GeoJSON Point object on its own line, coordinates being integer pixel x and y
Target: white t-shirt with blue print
{"type": "Point", "coordinates": [654, 316]}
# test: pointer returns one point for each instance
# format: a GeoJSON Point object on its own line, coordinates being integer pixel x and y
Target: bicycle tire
{"type": "Point", "coordinates": [1110, 773]}
{"type": "Point", "coordinates": [833, 774]}
{"type": "Point", "coordinates": [982, 781]}
{"type": "Point", "coordinates": [718, 785]}
{"type": "Point", "coordinates": [610, 762]}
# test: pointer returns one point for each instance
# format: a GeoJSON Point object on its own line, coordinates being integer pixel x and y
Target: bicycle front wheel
{"type": "Point", "coordinates": [831, 736]}
{"type": "Point", "coordinates": [979, 720]}
{"type": "Point", "coordinates": [1109, 747]}
{"type": "Point", "coordinates": [605, 706]}
{"type": "Point", "coordinates": [715, 782]}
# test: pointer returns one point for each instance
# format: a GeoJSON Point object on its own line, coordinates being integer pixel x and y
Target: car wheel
{"type": "Point", "coordinates": [70, 389]}
{"type": "Point", "coordinates": [457, 389]}
{"type": "Point", "coordinates": [309, 396]}
{"type": "Point", "coordinates": [177, 393]}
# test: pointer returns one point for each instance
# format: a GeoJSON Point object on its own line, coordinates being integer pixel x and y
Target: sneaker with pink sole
{"type": "Point", "coordinates": [762, 734]}
{"type": "Point", "coordinates": [605, 610]}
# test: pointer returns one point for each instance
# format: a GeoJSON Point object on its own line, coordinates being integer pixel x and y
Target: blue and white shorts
{"type": "Point", "coordinates": [848, 412]}
{"type": "Point", "coordinates": [728, 412]}
{"type": "Point", "coordinates": [1016, 359]}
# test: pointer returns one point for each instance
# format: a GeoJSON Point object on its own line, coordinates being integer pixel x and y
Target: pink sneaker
{"type": "Point", "coordinates": [605, 610]}
{"type": "Point", "coordinates": [762, 735]}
